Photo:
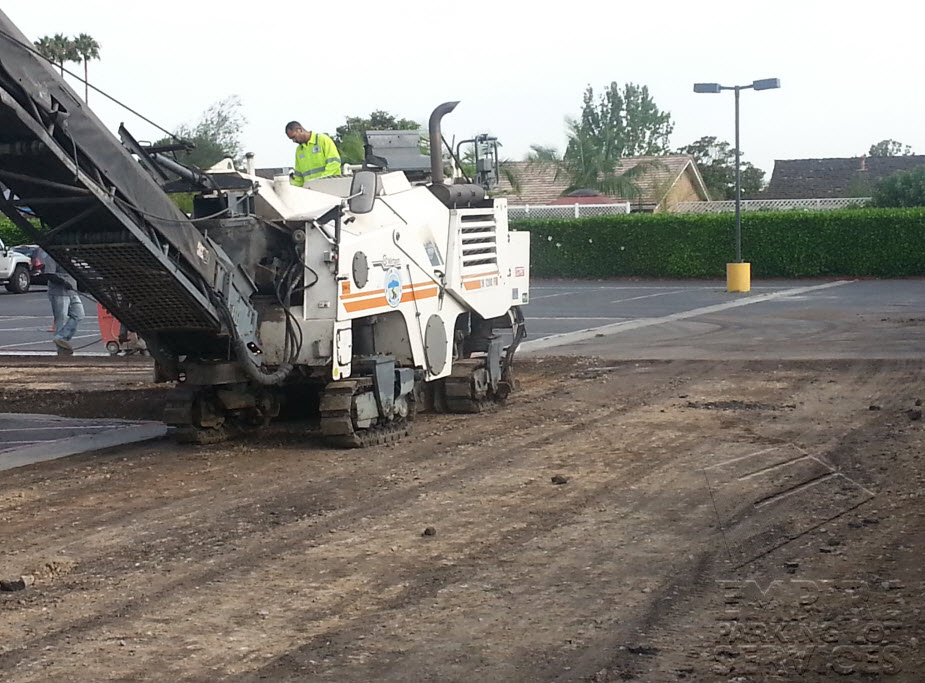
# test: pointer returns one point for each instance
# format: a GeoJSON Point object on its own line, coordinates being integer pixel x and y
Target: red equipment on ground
{"type": "Point", "coordinates": [116, 336]}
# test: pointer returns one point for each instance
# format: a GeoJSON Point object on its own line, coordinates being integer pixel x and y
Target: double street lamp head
{"type": "Point", "coordinates": [762, 84]}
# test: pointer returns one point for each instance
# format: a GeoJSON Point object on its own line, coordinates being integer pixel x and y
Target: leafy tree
{"type": "Point", "coordinates": [716, 160]}
{"type": "Point", "coordinates": [351, 149]}
{"type": "Point", "coordinates": [618, 124]}
{"type": "Point", "coordinates": [902, 189]}
{"type": "Point", "coordinates": [378, 120]}
{"type": "Point", "coordinates": [87, 48]}
{"type": "Point", "coordinates": [216, 135]}
{"type": "Point", "coordinates": [349, 137]}
{"type": "Point", "coordinates": [889, 148]}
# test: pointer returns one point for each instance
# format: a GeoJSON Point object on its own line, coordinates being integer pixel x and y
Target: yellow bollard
{"type": "Point", "coordinates": [738, 277]}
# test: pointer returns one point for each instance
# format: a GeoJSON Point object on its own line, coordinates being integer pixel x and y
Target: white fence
{"type": "Point", "coordinates": [566, 211]}
{"type": "Point", "coordinates": [770, 205]}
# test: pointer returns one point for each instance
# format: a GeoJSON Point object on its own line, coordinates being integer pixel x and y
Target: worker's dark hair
{"type": "Point", "coordinates": [292, 125]}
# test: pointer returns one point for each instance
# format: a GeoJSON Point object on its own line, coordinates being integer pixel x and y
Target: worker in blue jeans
{"type": "Point", "coordinates": [66, 306]}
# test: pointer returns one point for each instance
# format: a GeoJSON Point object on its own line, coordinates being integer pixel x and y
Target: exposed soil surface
{"type": "Point", "coordinates": [652, 521]}
{"type": "Point", "coordinates": [119, 387]}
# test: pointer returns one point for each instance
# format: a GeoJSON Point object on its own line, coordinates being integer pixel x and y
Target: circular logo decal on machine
{"type": "Point", "coordinates": [393, 287]}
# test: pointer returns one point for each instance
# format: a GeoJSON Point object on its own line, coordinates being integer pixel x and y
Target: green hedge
{"type": "Point", "coordinates": [852, 242]}
{"type": "Point", "coordinates": [10, 234]}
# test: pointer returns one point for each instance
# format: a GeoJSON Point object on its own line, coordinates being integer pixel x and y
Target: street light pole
{"type": "Point", "coordinates": [738, 185]}
{"type": "Point", "coordinates": [742, 269]}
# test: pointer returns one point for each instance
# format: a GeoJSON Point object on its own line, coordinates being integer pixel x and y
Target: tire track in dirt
{"type": "Point", "coordinates": [379, 505]}
{"type": "Point", "coordinates": [472, 558]}
{"type": "Point", "coordinates": [640, 641]}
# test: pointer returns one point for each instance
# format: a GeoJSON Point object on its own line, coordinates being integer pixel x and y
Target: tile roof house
{"type": "Point", "coordinates": [675, 179]}
{"type": "Point", "coordinates": [828, 178]}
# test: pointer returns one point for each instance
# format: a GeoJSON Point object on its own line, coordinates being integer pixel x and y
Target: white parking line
{"type": "Point", "coordinates": [615, 328]}
{"type": "Point", "coordinates": [45, 341]}
{"type": "Point", "coordinates": [580, 288]}
{"type": "Point", "coordinates": [23, 329]}
{"type": "Point", "coordinates": [78, 354]}
{"type": "Point", "coordinates": [38, 317]}
{"type": "Point", "coordinates": [550, 296]}
{"type": "Point", "coordinates": [649, 296]}
{"type": "Point", "coordinates": [559, 317]}
{"type": "Point", "coordinates": [585, 290]}
{"type": "Point", "coordinates": [70, 428]}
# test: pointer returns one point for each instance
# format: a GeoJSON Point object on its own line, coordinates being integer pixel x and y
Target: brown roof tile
{"type": "Point", "coordinates": [541, 185]}
{"type": "Point", "coordinates": [838, 177]}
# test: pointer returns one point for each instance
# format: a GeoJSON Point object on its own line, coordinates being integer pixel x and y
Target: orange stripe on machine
{"type": "Point", "coordinates": [425, 290]}
{"type": "Point", "coordinates": [480, 280]}
{"type": "Point", "coordinates": [357, 295]}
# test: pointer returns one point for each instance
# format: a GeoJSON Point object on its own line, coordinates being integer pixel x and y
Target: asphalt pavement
{"type": "Point", "coordinates": [696, 320]}
{"type": "Point", "coordinates": [641, 319]}
{"type": "Point", "coordinates": [25, 323]}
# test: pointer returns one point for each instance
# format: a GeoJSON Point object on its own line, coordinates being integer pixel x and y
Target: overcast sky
{"type": "Point", "coordinates": [849, 76]}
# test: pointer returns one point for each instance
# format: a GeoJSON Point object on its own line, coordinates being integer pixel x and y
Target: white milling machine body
{"type": "Point", "coordinates": [400, 280]}
{"type": "Point", "coordinates": [358, 297]}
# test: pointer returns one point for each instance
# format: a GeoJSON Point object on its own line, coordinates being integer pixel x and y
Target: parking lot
{"type": "Point", "coordinates": [691, 320]}
{"type": "Point", "coordinates": [25, 324]}
{"type": "Point", "coordinates": [636, 319]}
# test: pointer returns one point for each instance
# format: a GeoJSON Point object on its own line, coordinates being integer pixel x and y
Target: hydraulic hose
{"type": "Point", "coordinates": [267, 379]}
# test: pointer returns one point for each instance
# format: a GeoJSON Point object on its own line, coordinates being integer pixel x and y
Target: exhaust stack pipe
{"type": "Point", "coordinates": [436, 141]}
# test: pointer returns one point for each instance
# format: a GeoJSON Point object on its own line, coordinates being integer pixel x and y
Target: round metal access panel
{"type": "Point", "coordinates": [435, 346]}
{"type": "Point", "coordinates": [360, 269]}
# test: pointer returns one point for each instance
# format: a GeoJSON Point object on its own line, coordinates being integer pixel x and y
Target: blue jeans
{"type": "Point", "coordinates": [68, 310]}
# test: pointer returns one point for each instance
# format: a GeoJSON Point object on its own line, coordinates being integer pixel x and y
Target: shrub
{"type": "Point", "coordinates": [10, 234]}
{"type": "Point", "coordinates": [902, 189]}
{"type": "Point", "coordinates": [850, 242]}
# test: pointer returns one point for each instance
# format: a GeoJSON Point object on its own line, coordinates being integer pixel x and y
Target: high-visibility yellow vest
{"type": "Point", "coordinates": [315, 159]}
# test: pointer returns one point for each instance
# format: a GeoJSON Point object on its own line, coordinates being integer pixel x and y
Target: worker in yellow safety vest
{"type": "Point", "coordinates": [315, 157]}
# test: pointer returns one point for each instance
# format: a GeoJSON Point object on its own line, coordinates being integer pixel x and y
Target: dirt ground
{"type": "Point", "coordinates": [734, 521]}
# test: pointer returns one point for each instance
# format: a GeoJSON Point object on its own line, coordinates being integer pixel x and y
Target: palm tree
{"type": "Point", "coordinates": [46, 47]}
{"type": "Point", "coordinates": [87, 48]}
{"type": "Point", "coordinates": [592, 163]}
{"type": "Point", "coordinates": [65, 49]}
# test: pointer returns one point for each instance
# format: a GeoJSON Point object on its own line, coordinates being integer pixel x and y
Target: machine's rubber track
{"type": "Point", "coordinates": [182, 402]}
{"type": "Point", "coordinates": [200, 435]}
{"type": "Point", "coordinates": [338, 418]}
{"type": "Point", "coordinates": [467, 388]}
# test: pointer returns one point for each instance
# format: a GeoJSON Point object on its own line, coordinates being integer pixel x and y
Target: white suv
{"type": "Point", "coordinates": [14, 270]}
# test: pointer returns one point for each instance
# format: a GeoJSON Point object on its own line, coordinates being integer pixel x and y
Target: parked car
{"type": "Point", "coordinates": [15, 270]}
{"type": "Point", "coordinates": [34, 252]}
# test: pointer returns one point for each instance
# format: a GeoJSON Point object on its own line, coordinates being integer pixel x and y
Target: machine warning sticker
{"type": "Point", "coordinates": [393, 287]}
{"type": "Point", "coordinates": [433, 255]}
{"type": "Point", "coordinates": [525, 298]}
{"type": "Point", "coordinates": [520, 271]}
{"type": "Point", "coordinates": [515, 294]}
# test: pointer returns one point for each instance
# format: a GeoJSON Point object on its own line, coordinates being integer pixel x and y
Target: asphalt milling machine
{"type": "Point", "coordinates": [361, 298]}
